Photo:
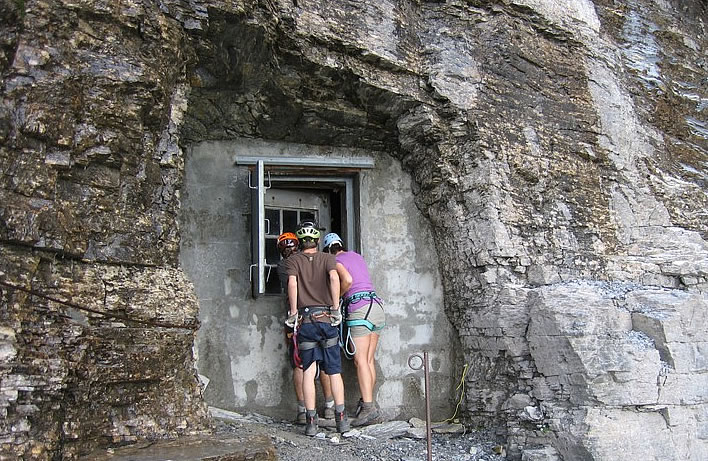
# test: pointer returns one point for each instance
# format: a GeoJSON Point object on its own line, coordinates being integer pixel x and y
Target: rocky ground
{"type": "Point", "coordinates": [390, 441]}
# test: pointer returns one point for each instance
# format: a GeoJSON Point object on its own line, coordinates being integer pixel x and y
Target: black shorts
{"type": "Point", "coordinates": [329, 358]}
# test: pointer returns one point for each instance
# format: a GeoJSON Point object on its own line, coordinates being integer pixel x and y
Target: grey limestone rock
{"type": "Point", "coordinates": [557, 148]}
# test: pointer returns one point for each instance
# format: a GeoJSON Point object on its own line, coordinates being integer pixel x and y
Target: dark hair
{"type": "Point", "coordinates": [308, 243]}
{"type": "Point", "coordinates": [335, 247]}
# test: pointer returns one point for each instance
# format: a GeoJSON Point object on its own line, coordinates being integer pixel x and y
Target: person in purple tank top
{"type": "Point", "coordinates": [364, 320]}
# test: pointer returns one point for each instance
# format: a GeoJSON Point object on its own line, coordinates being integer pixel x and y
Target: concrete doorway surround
{"type": "Point", "coordinates": [240, 345]}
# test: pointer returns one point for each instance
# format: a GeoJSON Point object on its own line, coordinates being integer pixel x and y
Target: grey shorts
{"type": "Point", "coordinates": [377, 317]}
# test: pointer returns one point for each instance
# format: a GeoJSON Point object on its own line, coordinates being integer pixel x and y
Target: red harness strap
{"type": "Point", "coordinates": [296, 351]}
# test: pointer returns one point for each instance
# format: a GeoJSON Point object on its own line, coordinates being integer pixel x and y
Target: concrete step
{"type": "Point", "coordinates": [211, 448]}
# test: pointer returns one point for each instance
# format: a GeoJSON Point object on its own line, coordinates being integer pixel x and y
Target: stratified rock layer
{"type": "Point", "coordinates": [97, 323]}
{"type": "Point", "coordinates": [558, 149]}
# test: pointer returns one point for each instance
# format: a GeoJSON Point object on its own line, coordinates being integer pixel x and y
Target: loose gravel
{"type": "Point", "coordinates": [292, 445]}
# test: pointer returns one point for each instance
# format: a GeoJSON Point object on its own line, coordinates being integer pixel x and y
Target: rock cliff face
{"type": "Point", "coordinates": [559, 150]}
{"type": "Point", "coordinates": [97, 322]}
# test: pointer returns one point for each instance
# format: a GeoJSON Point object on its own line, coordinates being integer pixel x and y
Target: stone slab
{"type": "Point", "coordinates": [212, 448]}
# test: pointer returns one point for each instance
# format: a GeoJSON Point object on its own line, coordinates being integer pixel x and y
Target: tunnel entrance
{"type": "Point", "coordinates": [321, 130]}
{"type": "Point", "coordinates": [241, 346]}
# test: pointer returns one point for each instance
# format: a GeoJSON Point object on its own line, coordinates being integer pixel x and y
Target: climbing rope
{"type": "Point", "coordinates": [462, 394]}
{"type": "Point", "coordinates": [345, 340]}
{"type": "Point", "coordinates": [296, 350]}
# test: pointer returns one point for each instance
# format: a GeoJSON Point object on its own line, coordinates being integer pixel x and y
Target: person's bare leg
{"type": "Point", "coordinates": [308, 390]}
{"type": "Point", "coordinates": [363, 370]}
{"type": "Point", "coordinates": [308, 386]}
{"type": "Point", "coordinates": [329, 399]}
{"type": "Point", "coordinates": [340, 414]}
{"type": "Point", "coordinates": [373, 342]}
{"type": "Point", "coordinates": [326, 386]}
{"type": "Point", "coordinates": [337, 388]}
{"type": "Point", "coordinates": [297, 383]}
{"type": "Point", "coordinates": [366, 374]}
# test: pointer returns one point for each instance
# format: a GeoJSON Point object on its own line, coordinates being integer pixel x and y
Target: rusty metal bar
{"type": "Point", "coordinates": [424, 366]}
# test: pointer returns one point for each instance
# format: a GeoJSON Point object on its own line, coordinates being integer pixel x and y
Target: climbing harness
{"type": "Point", "coordinates": [346, 342]}
{"type": "Point", "coordinates": [316, 315]}
{"type": "Point", "coordinates": [323, 343]}
{"type": "Point", "coordinates": [307, 315]}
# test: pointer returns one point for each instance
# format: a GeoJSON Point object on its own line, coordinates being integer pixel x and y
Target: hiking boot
{"type": "Point", "coordinates": [367, 416]}
{"type": "Point", "coordinates": [301, 418]}
{"type": "Point", "coordinates": [311, 426]}
{"type": "Point", "coordinates": [328, 413]}
{"type": "Point", "coordinates": [342, 422]}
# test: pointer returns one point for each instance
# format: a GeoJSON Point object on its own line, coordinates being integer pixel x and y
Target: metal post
{"type": "Point", "coordinates": [424, 366]}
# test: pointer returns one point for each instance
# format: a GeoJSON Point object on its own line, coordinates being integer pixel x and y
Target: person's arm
{"type": "Point", "coordinates": [334, 288]}
{"type": "Point", "coordinates": [292, 294]}
{"type": "Point", "coordinates": [345, 279]}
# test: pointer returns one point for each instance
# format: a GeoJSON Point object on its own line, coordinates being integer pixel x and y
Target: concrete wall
{"type": "Point", "coordinates": [240, 344]}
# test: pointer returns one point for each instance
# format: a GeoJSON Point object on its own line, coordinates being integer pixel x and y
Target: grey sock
{"type": "Point", "coordinates": [311, 413]}
{"type": "Point", "coordinates": [339, 408]}
{"type": "Point", "coordinates": [367, 405]}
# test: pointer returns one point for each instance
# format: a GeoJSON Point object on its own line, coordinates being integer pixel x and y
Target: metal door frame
{"type": "Point", "coordinates": [327, 174]}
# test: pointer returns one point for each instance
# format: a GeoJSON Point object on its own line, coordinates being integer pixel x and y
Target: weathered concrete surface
{"type": "Point", "coordinates": [555, 147]}
{"type": "Point", "coordinates": [241, 346]}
